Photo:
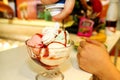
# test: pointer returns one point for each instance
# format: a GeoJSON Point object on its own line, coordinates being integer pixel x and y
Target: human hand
{"type": "Point", "coordinates": [68, 7]}
{"type": "Point", "coordinates": [93, 57]}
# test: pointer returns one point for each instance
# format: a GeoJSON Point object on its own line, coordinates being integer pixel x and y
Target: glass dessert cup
{"type": "Point", "coordinates": [50, 59]}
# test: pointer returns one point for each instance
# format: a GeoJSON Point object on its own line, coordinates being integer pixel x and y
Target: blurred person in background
{"type": "Point", "coordinates": [68, 8]}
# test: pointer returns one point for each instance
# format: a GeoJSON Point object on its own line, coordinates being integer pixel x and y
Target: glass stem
{"type": "Point", "coordinates": [53, 74]}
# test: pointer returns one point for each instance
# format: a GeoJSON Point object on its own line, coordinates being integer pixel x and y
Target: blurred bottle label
{"type": "Point", "coordinates": [85, 27]}
{"type": "Point", "coordinates": [40, 11]}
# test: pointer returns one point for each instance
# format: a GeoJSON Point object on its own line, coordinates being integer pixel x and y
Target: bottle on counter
{"type": "Point", "coordinates": [112, 17]}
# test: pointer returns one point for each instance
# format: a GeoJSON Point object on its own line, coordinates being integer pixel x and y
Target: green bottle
{"type": "Point", "coordinates": [47, 15]}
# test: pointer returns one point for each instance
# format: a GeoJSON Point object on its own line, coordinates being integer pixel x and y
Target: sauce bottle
{"type": "Point", "coordinates": [112, 17]}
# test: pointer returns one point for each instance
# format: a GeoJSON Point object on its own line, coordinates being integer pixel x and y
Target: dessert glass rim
{"type": "Point", "coordinates": [70, 44]}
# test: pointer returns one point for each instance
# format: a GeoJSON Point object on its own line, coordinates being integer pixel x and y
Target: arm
{"type": "Point", "coordinates": [48, 1]}
{"type": "Point", "coordinates": [94, 58]}
{"type": "Point", "coordinates": [69, 5]}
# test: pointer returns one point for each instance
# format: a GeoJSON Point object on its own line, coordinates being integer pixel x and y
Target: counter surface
{"type": "Point", "coordinates": [15, 64]}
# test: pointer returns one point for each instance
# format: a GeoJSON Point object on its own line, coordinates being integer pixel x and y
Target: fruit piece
{"type": "Point", "coordinates": [101, 36]}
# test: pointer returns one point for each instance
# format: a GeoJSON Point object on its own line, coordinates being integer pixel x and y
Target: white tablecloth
{"type": "Point", "coordinates": [15, 64]}
{"type": "Point", "coordinates": [112, 40]}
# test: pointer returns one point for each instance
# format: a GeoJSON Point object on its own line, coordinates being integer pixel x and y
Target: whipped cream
{"type": "Point", "coordinates": [49, 34]}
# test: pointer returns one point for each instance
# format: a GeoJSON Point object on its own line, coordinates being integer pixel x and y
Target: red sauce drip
{"type": "Point", "coordinates": [40, 35]}
{"type": "Point", "coordinates": [46, 52]}
{"type": "Point", "coordinates": [38, 58]}
{"type": "Point", "coordinates": [65, 38]}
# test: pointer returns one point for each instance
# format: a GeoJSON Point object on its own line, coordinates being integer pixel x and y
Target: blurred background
{"type": "Point", "coordinates": [20, 19]}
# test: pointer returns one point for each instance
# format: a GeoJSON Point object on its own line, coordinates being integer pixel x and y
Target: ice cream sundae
{"type": "Point", "coordinates": [51, 47]}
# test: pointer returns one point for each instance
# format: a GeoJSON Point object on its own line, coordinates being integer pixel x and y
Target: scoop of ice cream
{"type": "Point", "coordinates": [35, 41]}
{"type": "Point", "coordinates": [56, 56]}
{"type": "Point", "coordinates": [63, 38]}
{"type": "Point", "coordinates": [49, 34]}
